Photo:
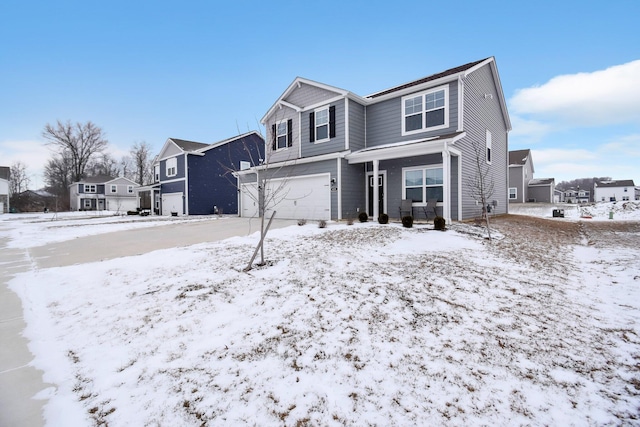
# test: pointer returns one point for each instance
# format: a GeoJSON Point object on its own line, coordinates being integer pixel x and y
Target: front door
{"type": "Point", "coordinates": [380, 188]}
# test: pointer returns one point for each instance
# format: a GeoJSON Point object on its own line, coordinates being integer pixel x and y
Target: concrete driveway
{"type": "Point", "coordinates": [20, 382]}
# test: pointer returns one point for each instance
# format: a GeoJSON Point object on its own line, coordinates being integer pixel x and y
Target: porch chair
{"type": "Point", "coordinates": [430, 208]}
{"type": "Point", "coordinates": [406, 208]}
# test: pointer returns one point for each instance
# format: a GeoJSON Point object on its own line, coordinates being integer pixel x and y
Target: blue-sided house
{"type": "Point", "coordinates": [331, 154]}
{"type": "Point", "coordinates": [194, 178]}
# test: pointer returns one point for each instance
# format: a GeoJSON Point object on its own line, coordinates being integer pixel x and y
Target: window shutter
{"type": "Point", "coordinates": [312, 127]}
{"type": "Point", "coordinates": [273, 137]}
{"type": "Point", "coordinates": [289, 133]}
{"type": "Point", "coordinates": [332, 121]}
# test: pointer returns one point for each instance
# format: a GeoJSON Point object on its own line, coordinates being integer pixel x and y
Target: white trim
{"type": "Point", "coordinates": [167, 168]}
{"type": "Point", "coordinates": [295, 162]}
{"type": "Point", "coordinates": [423, 112]}
{"type": "Point", "coordinates": [509, 193]}
{"type": "Point", "coordinates": [113, 188]}
{"type": "Point", "coordinates": [488, 151]}
{"type": "Point", "coordinates": [319, 105]}
{"type": "Point", "coordinates": [290, 105]}
{"type": "Point", "coordinates": [339, 186]}
{"type": "Point", "coordinates": [186, 187]}
{"type": "Point", "coordinates": [460, 104]}
{"type": "Point", "coordinates": [446, 185]}
{"type": "Point", "coordinates": [286, 135]}
{"type": "Point", "coordinates": [346, 124]}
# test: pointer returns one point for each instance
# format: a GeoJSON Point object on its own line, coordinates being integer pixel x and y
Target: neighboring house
{"type": "Point", "coordinates": [329, 149]}
{"type": "Point", "coordinates": [103, 192]}
{"type": "Point", "coordinates": [614, 191]}
{"type": "Point", "coordinates": [520, 172]}
{"type": "Point", "coordinates": [541, 190]}
{"type": "Point", "coordinates": [193, 178]}
{"type": "Point", "coordinates": [576, 195]}
{"type": "Point", "coordinates": [558, 196]}
{"type": "Point", "coordinates": [637, 192]}
{"type": "Point", "coordinates": [523, 187]}
{"type": "Point", "coordinates": [5, 173]}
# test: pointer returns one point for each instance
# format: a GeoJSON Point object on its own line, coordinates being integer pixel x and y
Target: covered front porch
{"type": "Point", "coordinates": [419, 170]}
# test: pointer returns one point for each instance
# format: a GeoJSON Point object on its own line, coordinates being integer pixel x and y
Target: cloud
{"type": "Point", "coordinates": [530, 131]}
{"type": "Point", "coordinates": [603, 97]}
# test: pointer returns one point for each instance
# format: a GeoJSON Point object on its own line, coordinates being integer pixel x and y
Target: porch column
{"type": "Point", "coordinates": [376, 194]}
{"type": "Point", "coordinates": [446, 185]}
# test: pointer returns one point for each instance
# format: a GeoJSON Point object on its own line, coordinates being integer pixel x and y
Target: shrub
{"type": "Point", "coordinates": [349, 221]}
{"type": "Point", "coordinates": [363, 217]}
{"type": "Point", "coordinates": [132, 212]}
{"type": "Point", "coordinates": [439, 223]}
{"type": "Point", "coordinates": [302, 221]}
{"type": "Point", "coordinates": [322, 224]}
{"type": "Point", "coordinates": [407, 221]}
{"type": "Point", "coordinates": [383, 218]}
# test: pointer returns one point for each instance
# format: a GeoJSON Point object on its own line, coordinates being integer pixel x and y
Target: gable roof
{"type": "Point", "coordinates": [542, 181]}
{"type": "Point", "coordinates": [188, 145]}
{"type": "Point", "coordinates": [430, 78]}
{"type": "Point", "coordinates": [519, 157]}
{"type": "Point", "coordinates": [228, 140]}
{"type": "Point", "coordinates": [97, 179]}
{"type": "Point", "coordinates": [614, 183]}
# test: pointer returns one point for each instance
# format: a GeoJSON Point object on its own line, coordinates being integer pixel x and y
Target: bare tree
{"type": "Point", "coordinates": [18, 179]}
{"type": "Point", "coordinates": [79, 143]}
{"type": "Point", "coordinates": [58, 177]}
{"type": "Point", "coordinates": [481, 185]}
{"type": "Point", "coordinates": [141, 156]}
{"type": "Point", "coordinates": [102, 164]}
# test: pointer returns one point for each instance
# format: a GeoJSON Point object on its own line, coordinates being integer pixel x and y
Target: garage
{"type": "Point", "coordinates": [248, 201]}
{"type": "Point", "coordinates": [172, 202]}
{"type": "Point", "coordinates": [305, 197]}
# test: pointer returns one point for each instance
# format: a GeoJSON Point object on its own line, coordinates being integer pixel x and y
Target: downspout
{"type": "Point", "coordinates": [339, 186]}
{"type": "Point", "coordinates": [446, 172]}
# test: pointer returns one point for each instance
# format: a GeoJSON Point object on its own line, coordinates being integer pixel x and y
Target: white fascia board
{"type": "Point", "coordinates": [226, 141]}
{"type": "Point", "coordinates": [164, 148]}
{"type": "Point", "coordinates": [295, 162]}
{"type": "Point", "coordinates": [404, 149]}
{"type": "Point", "coordinates": [296, 84]}
{"type": "Point", "coordinates": [412, 89]}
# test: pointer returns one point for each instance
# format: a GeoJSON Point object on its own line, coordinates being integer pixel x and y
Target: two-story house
{"type": "Point", "coordinates": [194, 178]}
{"type": "Point", "coordinates": [103, 192]}
{"type": "Point", "coordinates": [331, 153]}
{"type": "Point", "coordinates": [577, 195]}
{"type": "Point", "coordinates": [5, 173]}
{"type": "Point", "coordinates": [523, 187]}
{"type": "Point", "coordinates": [614, 191]}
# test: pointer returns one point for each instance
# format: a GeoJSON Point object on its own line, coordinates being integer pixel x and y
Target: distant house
{"type": "Point", "coordinates": [103, 192]}
{"type": "Point", "coordinates": [614, 191]}
{"type": "Point", "coordinates": [194, 178]}
{"type": "Point", "coordinates": [336, 154]}
{"type": "Point", "coordinates": [5, 173]}
{"type": "Point", "coordinates": [522, 186]}
{"type": "Point", "coordinates": [577, 195]}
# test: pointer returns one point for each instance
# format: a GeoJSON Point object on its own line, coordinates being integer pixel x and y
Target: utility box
{"type": "Point", "coordinates": [558, 213]}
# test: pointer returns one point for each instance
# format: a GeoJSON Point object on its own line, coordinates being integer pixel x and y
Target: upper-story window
{"type": "Point", "coordinates": [282, 135]}
{"type": "Point", "coordinates": [425, 111]}
{"type": "Point", "coordinates": [172, 166]}
{"type": "Point", "coordinates": [89, 188]}
{"type": "Point", "coordinates": [130, 189]}
{"type": "Point", "coordinates": [322, 124]}
{"type": "Point", "coordinates": [156, 173]}
{"type": "Point", "coordinates": [114, 188]}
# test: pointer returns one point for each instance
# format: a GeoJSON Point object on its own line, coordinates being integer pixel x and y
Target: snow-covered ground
{"type": "Point", "coordinates": [348, 325]}
{"type": "Point", "coordinates": [594, 211]}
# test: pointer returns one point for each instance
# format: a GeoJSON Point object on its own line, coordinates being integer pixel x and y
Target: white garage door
{"type": "Point", "coordinates": [172, 202]}
{"type": "Point", "coordinates": [122, 205]}
{"type": "Point", "coordinates": [306, 197]}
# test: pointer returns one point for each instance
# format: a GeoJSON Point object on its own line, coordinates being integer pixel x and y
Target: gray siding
{"type": "Point", "coordinates": [515, 180]}
{"type": "Point", "coordinates": [356, 126]}
{"type": "Point", "coordinates": [480, 114]}
{"type": "Point", "coordinates": [352, 186]}
{"type": "Point", "coordinates": [289, 153]}
{"type": "Point", "coordinates": [333, 145]}
{"type": "Point", "coordinates": [384, 120]}
{"type": "Point", "coordinates": [541, 194]}
{"type": "Point", "coordinates": [307, 95]}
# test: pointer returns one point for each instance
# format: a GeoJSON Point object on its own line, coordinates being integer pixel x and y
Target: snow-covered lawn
{"type": "Point", "coordinates": [349, 325]}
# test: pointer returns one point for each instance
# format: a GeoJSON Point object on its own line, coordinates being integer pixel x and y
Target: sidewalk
{"type": "Point", "coordinates": [19, 382]}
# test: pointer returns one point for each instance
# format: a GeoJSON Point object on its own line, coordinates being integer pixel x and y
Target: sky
{"type": "Point", "coordinates": [205, 71]}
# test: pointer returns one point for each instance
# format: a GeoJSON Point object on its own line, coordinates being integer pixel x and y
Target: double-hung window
{"type": "Point", "coordinates": [423, 183]}
{"type": "Point", "coordinates": [172, 166]}
{"type": "Point", "coordinates": [89, 188]}
{"type": "Point", "coordinates": [114, 188]}
{"type": "Point", "coordinates": [425, 111]}
{"type": "Point", "coordinates": [488, 142]}
{"type": "Point", "coordinates": [282, 135]}
{"type": "Point", "coordinates": [130, 189]}
{"type": "Point", "coordinates": [513, 193]}
{"type": "Point", "coordinates": [322, 124]}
